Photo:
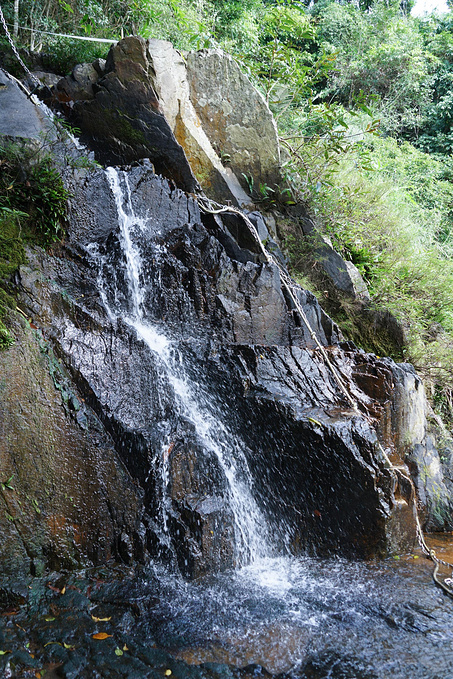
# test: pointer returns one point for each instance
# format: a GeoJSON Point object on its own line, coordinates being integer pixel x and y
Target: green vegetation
{"type": "Point", "coordinates": [32, 210]}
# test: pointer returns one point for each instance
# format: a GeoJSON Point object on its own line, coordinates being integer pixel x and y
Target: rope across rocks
{"type": "Point", "coordinates": [211, 207]}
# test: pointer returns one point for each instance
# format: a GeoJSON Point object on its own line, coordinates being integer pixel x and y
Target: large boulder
{"type": "Point", "coordinates": [19, 116]}
{"type": "Point", "coordinates": [171, 83]}
{"type": "Point", "coordinates": [119, 113]}
{"type": "Point", "coordinates": [196, 118]}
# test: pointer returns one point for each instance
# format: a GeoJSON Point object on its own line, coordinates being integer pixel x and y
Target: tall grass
{"type": "Point", "coordinates": [394, 224]}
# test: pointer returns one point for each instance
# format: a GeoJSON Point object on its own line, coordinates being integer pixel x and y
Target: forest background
{"type": "Point", "coordinates": [363, 96]}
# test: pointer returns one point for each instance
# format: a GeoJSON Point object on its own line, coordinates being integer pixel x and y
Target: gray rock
{"type": "Point", "coordinates": [170, 81]}
{"type": "Point", "coordinates": [46, 79]}
{"type": "Point", "coordinates": [79, 85]}
{"type": "Point", "coordinates": [235, 117]}
{"type": "Point", "coordinates": [19, 117]}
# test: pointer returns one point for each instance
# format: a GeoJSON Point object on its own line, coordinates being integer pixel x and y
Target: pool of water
{"type": "Point", "coordinates": [292, 618]}
{"type": "Point", "coordinates": [313, 618]}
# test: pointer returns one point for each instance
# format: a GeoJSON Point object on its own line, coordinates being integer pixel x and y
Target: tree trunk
{"type": "Point", "coordinates": [16, 19]}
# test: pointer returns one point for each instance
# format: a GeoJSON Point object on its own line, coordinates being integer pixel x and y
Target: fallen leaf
{"type": "Point", "coordinates": [167, 673]}
{"type": "Point", "coordinates": [63, 590]}
{"type": "Point", "coordinates": [125, 648]}
{"type": "Point", "coordinates": [49, 643]}
{"type": "Point", "coordinates": [4, 652]}
{"type": "Point", "coordinates": [118, 651]}
{"type": "Point", "coordinates": [102, 635]}
{"type": "Point", "coordinates": [69, 646]}
{"type": "Point", "coordinates": [49, 618]}
{"type": "Point", "coordinates": [54, 589]}
{"type": "Point", "coordinates": [100, 619]}
{"type": "Point", "coordinates": [317, 513]}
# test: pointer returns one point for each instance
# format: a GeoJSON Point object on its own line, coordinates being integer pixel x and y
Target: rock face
{"type": "Point", "coordinates": [171, 83]}
{"type": "Point", "coordinates": [148, 102]}
{"type": "Point", "coordinates": [234, 116]}
{"type": "Point", "coordinates": [122, 108]}
{"type": "Point", "coordinates": [171, 375]}
{"type": "Point", "coordinates": [20, 117]}
{"type": "Point", "coordinates": [68, 501]}
{"type": "Point", "coordinates": [239, 342]}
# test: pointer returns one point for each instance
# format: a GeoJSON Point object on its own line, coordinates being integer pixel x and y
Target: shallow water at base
{"type": "Point", "coordinates": [311, 618]}
{"type": "Point", "coordinates": [300, 618]}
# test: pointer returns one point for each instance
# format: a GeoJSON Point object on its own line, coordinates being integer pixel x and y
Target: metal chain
{"type": "Point", "coordinates": [33, 78]}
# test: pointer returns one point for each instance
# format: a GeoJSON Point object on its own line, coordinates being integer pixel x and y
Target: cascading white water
{"type": "Point", "coordinates": [251, 541]}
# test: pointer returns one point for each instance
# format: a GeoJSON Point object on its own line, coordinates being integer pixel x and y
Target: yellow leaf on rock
{"type": "Point", "coordinates": [100, 619]}
{"type": "Point", "coordinates": [125, 648]}
{"type": "Point", "coordinates": [101, 635]}
{"type": "Point", "coordinates": [167, 673]}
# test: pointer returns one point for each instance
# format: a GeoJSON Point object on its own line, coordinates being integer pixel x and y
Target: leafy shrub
{"type": "Point", "coordinates": [394, 224]}
{"type": "Point", "coordinates": [29, 183]}
{"type": "Point", "coordinates": [32, 210]}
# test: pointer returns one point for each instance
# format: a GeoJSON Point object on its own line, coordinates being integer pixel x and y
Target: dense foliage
{"type": "Point", "coordinates": [363, 95]}
{"type": "Point", "coordinates": [32, 209]}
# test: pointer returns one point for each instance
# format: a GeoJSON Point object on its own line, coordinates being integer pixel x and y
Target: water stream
{"type": "Point", "coordinates": [251, 538]}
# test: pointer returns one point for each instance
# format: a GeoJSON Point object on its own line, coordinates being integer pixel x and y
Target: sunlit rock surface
{"type": "Point", "coordinates": [235, 117]}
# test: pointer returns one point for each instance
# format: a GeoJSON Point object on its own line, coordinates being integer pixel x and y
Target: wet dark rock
{"type": "Point", "coordinates": [335, 666]}
{"type": "Point", "coordinates": [243, 345]}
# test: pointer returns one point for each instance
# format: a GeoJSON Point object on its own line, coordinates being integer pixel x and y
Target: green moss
{"type": "Point", "coordinates": [120, 126]}
{"type": "Point", "coordinates": [12, 255]}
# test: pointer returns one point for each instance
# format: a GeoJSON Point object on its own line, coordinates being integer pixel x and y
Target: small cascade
{"type": "Point", "coordinates": [251, 536]}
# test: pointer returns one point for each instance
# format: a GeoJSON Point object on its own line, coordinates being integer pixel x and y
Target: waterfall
{"type": "Point", "coordinates": [251, 535]}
